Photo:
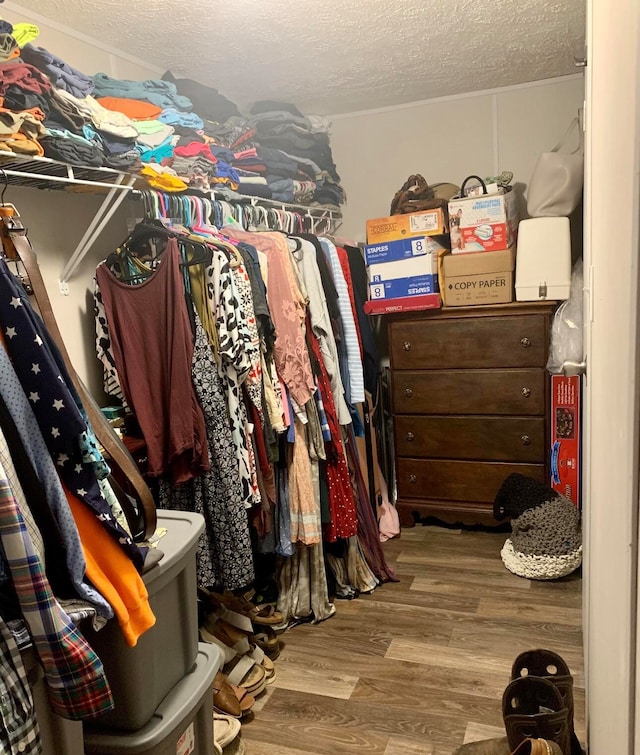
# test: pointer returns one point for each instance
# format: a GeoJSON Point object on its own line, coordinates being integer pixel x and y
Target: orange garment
{"type": "Point", "coordinates": [36, 112]}
{"type": "Point", "coordinates": [112, 573]}
{"type": "Point", "coordinates": [20, 144]}
{"type": "Point", "coordinates": [137, 110]}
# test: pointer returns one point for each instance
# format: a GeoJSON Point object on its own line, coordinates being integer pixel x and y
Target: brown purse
{"type": "Point", "coordinates": [415, 195]}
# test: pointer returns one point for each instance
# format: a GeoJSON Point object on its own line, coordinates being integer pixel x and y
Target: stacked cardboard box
{"type": "Point", "coordinates": [402, 260]}
{"type": "Point", "coordinates": [480, 267]}
{"type": "Point", "coordinates": [565, 436]}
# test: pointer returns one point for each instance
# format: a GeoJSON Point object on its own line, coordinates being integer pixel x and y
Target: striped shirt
{"type": "Point", "coordinates": [351, 342]}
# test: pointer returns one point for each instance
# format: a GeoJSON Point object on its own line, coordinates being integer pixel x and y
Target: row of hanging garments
{"type": "Point", "coordinates": [67, 552]}
{"type": "Point", "coordinates": [244, 357]}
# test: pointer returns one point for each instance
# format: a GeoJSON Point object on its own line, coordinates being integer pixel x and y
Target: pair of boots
{"type": "Point", "coordinates": [537, 707]}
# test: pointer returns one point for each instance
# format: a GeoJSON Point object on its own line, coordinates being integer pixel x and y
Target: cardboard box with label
{"type": "Point", "coordinates": [566, 436]}
{"type": "Point", "coordinates": [415, 276]}
{"type": "Point", "coordinates": [392, 251]}
{"type": "Point", "coordinates": [487, 223]}
{"type": "Point", "coordinates": [396, 227]}
{"type": "Point", "coordinates": [481, 278]}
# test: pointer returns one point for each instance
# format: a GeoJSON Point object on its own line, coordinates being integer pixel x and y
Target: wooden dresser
{"type": "Point", "coordinates": [470, 406]}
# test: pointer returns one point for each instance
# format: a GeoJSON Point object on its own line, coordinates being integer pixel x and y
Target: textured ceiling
{"type": "Point", "coordinates": [339, 55]}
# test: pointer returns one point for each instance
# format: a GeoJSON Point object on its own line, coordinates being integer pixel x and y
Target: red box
{"type": "Point", "coordinates": [402, 304]}
{"type": "Point", "coordinates": [566, 439]}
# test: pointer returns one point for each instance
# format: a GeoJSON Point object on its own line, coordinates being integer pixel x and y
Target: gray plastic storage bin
{"type": "Point", "coordinates": [59, 736]}
{"type": "Point", "coordinates": [182, 724]}
{"type": "Point", "coordinates": [141, 676]}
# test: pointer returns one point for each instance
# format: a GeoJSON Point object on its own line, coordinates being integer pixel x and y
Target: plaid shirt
{"type": "Point", "coordinates": [19, 730]}
{"type": "Point", "coordinates": [74, 674]}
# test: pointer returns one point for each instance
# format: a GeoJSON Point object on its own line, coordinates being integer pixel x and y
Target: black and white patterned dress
{"type": "Point", "coordinates": [224, 553]}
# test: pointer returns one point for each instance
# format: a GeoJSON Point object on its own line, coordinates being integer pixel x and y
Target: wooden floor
{"type": "Point", "coordinates": [419, 666]}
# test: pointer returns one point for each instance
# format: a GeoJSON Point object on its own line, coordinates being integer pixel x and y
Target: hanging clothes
{"type": "Point", "coordinates": [353, 366]}
{"type": "Point", "coordinates": [153, 348]}
{"type": "Point", "coordinates": [74, 674]}
{"type": "Point", "coordinates": [343, 521]}
{"type": "Point", "coordinates": [43, 377]}
{"type": "Point", "coordinates": [19, 728]}
{"type": "Point", "coordinates": [224, 552]}
{"type": "Point", "coordinates": [321, 322]}
{"type": "Point", "coordinates": [287, 309]}
{"type": "Point", "coordinates": [22, 416]}
{"type": "Point", "coordinates": [233, 363]}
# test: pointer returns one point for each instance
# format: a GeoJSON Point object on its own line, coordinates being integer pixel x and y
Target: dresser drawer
{"type": "Point", "coordinates": [519, 392]}
{"type": "Point", "coordinates": [519, 439]}
{"type": "Point", "coordinates": [516, 341]}
{"type": "Point", "coordinates": [458, 480]}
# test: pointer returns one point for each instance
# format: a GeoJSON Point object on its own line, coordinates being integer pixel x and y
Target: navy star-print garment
{"type": "Point", "coordinates": [45, 381]}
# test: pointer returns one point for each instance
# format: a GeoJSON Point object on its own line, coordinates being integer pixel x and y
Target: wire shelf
{"type": "Point", "coordinates": [43, 173]}
{"type": "Point", "coordinates": [35, 172]}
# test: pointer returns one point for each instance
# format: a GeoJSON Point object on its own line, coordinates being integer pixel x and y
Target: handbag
{"type": "Point", "coordinates": [415, 195]}
{"type": "Point", "coordinates": [555, 187]}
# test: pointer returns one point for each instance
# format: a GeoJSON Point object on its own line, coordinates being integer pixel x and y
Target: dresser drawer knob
{"type": "Point", "coordinates": [526, 392]}
{"type": "Point", "coordinates": [525, 342]}
{"type": "Point", "coordinates": [413, 479]}
{"type": "Point", "coordinates": [410, 436]}
{"type": "Point", "coordinates": [407, 345]}
{"type": "Point", "coordinates": [526, 440]}
{"type": "Point", "coordinates": [408, 392]}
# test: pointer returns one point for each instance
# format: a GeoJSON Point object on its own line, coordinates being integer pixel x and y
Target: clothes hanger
{"type": "Point", "coordinates": [9, 252]}
{"type": "Point", "coordinates": [154, 229]}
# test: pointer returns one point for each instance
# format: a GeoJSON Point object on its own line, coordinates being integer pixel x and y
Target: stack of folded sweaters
{"type": "Point", "coordinates": [177, 133]}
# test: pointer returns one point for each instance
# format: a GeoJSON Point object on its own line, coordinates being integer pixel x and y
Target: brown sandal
{"type": "Point", "coordinates": [267, 639]}
{"type": "Point", "coordinates": [264, 614]}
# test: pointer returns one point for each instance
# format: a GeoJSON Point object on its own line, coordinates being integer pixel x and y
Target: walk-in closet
{"type": "Point", "coordinates": [319, 378]}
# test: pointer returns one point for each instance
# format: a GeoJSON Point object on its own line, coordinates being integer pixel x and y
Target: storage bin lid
{"type": "Point", "coordinates": [183, 530]}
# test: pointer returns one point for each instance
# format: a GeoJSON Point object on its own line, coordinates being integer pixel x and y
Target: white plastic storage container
{"type": "Point", "coordinates": [543, 262]}
{"type": "Point", "coordinates": [141, 676]}
{"type": "Point", "coordinates": [183, 723]}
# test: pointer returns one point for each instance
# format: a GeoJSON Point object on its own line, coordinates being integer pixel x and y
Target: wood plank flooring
{"type": "Point", "coordinates": [418, 667]}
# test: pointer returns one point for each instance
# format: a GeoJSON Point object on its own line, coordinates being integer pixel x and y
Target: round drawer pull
{"type": "Point", "coordinates": [526, 440]}
{"type": "Point", "coordinates": [408, 392]}
{"type": "Point", "coordinates": [525, 342]}
{"type": "Point", "coordinates": [407, 345]}
{"type": "Point", "coordinates": [526, 392]}
{"type": "Point", "coordinates": [413, 479]}
{"type": "Point", "coordinates": [410, 436]}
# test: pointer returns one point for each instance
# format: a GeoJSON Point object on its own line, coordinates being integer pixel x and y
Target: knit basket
{"type": "Point", "coordinates": [540, 567]}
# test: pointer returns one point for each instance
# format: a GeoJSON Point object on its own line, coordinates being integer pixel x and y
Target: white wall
{"type": "Point", "coordinates": [447, 140]}
{"type": "Point", "coordinates": [56, 220]}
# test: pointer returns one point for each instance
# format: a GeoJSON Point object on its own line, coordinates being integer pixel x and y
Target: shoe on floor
{"type": "Point", "coordinates": [225, 729]}
{"type": "Point", "coordinates": [237, 747]}
{"type": "Point", "coordinates": [549, 665]}
{"type": "Point", "coordinates": [500, 746]}
{"type": "Point", "coordinates": [538, 747]}
{"type": "Point", "coordinates": [532, 707]}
